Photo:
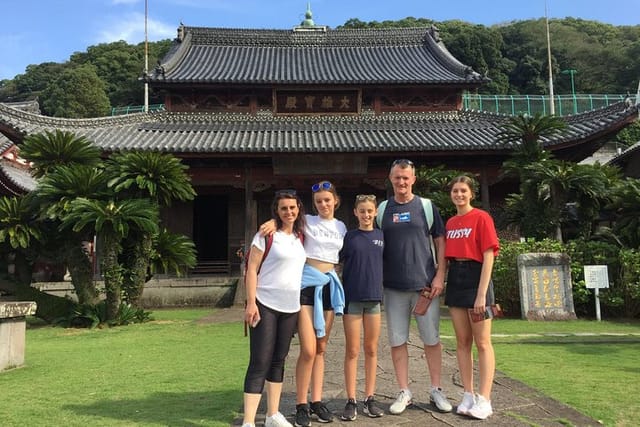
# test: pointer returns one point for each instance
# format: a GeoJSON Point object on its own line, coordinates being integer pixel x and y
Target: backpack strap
{"type": "Point", "coordinates": [381, 207]}
{"type": "Point", "coordinates": [427, 207]}
{"type": "Point", "coordinates": [268, 242]}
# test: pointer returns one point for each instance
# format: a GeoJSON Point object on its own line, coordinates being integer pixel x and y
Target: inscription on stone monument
{"type": "Point", "coordinates": [545, 286]}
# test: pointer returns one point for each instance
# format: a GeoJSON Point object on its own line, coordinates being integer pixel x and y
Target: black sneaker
{"type": "Point", "coordinates": [303, 416]}
{"type": "Point", "coordinates": [322, 412]}
{"type": "Point", "coordinates": [371, 409]}
{"type": "Point", "coordinates": [350, 410]}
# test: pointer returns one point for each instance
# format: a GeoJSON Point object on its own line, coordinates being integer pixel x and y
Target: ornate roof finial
{"type": "Point", "coordinates": [308, 17]}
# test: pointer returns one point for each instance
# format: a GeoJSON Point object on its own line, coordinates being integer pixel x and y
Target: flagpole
{"type": "Point", "coordinates": [146, 58]}
{"type": "Point", "coordinates": [552, 108]}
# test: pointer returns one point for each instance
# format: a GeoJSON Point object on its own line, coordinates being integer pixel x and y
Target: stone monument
{"type": "Point", "coordinates": [545, 286]}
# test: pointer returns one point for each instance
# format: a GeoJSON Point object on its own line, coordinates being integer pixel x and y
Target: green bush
{"type": "Point", "coordinates": [589, 252]}
{"type": "Point", "coordinates": [621, 299]}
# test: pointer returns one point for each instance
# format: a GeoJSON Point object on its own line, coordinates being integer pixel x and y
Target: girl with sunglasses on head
{"type": "Point", "coordinates": [361, 258]}
{"type": "Point", "coordinates": [273, 293]}
{"type": "Point", "coordinates": [321, 298]}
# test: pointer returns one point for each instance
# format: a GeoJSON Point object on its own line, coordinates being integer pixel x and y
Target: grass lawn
{"type": "Point", "coordinates": [597, 375]}
{"type": "Point", "coordinates": [175, 371]}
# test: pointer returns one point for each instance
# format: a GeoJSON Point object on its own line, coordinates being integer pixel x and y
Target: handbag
{"type": "Point", "coordinates": [423, 301]}
{"type": "Point", "coordinates": [492, 311]}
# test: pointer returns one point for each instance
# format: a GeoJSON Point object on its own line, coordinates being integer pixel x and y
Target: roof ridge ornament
{"type": "Point", "coordinates": [307, 25]}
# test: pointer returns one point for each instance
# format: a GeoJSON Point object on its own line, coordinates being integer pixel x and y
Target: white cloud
{"type": "Point", "coordinates": [130, 28]}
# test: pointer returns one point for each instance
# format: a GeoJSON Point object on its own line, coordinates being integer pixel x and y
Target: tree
{"type": "Point", "coordinates": [112, 221]}
{"type": "Point", "coordinates": [19, 230]}
{"type": "Point", "coordinates": [48, 150]}
{"type": "Point", "coordinates": [77, 93]}
{"type": "Point", "coordinates": [160, 178]}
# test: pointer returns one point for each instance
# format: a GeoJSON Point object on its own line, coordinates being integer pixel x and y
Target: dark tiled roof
{"type": "Point", "coordinates": [626, 155]}
{"type": "Point", "coordinates": [15, 180]}
{"type": "Point", "coordinates": [405, 56]}
{"type": "Point", "coordinates": [264, 133]}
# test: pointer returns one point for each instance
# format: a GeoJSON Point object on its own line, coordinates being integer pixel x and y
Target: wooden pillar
{"type": "Point", "coordinates": [484, 189]}
{"type": "Point", "coordinates": [250, 227]}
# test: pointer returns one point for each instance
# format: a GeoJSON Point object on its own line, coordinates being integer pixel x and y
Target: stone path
{"type": "Point", "coordinates": [514, 403]}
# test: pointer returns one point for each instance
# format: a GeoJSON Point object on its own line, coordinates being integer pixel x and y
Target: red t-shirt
{"type": "Point", "coordinates": [470, 235]}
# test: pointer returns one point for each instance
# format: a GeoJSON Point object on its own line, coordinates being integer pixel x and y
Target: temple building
{"type": "Point", "coordinates": [255, 110]}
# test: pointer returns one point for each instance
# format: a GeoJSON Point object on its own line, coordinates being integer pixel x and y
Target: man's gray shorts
{"type": "Point", "coordinates": [398, 306]}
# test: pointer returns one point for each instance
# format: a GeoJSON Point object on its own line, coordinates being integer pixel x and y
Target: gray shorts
{"type": "Point", "coordinates": [398, 306]}
{"type": "Point", "coordinates": [359, 308]}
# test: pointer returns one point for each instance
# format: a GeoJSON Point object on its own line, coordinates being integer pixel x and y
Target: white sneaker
{"type": "Point", "coordinates": [440, 400]}
{"type": "Point", "coordinates": [468, 400]}
{"type": "Point", "coordinates": [481, 409]}
{"type": "Point", "coordinates": [277, 420]}
{"type": "Point", "coordinates": [402, 401]}
{"type": "Point", "coordinates": [248, 425]}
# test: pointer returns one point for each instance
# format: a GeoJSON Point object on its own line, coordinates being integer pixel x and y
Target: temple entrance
{"type": "Point", "coordinates": [211, 233]}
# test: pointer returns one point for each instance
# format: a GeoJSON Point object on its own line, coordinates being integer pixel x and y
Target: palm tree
{"type": "Point", "coordinates": [112, 221]}
{"type": "Point", "coordinates": [19, 230]}
{"type": "Point", "coordinates": [55, 193]}
{"type": "Point", "coordinates": [160, 178]}
{"type": "Point", "coordinates": [625, 205]}
{"type": "Point", "coordinates": [524, 133]}
{"type": "Point", "coordinates": [172, 252]}
{"type": "Point", "coordinates": [48, 150]}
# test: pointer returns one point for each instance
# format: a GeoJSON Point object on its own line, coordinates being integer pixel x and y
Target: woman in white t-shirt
{"type": "Point", "coordinates": [322, 297]}
{"type": "Point", "coordinates": [273, 276]}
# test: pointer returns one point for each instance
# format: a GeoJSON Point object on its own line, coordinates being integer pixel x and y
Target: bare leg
{"type": "Point", "coordinates": [317, 374]}
{"type": "Point", "coordinates": [464, 341]}
{"type": "Point", "coordinates": [251, 402]}
{"type": "Point", "coordinates": [486, 356]}
{"type": "Point", "coordinates": [371, 337]}
{"type": "Point", "coordinates": [274, 390]}
{"type": "Point", "coordinates": [352, 324]}
{"type": "Point", "coordinates": [400, 357]}
{"type": "Point", "coordinates": [304, 365]}
{"type": "Point", "coordinates": [433, 354]}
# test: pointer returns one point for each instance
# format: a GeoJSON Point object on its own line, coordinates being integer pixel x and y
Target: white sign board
{"type": "Point", "coordinates": [596, 276]}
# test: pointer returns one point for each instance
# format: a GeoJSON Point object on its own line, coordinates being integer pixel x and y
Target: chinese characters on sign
{"type": "Point", "coordinates": [545, 286]}
{"type": "Point", "coordinates": [313, 102]}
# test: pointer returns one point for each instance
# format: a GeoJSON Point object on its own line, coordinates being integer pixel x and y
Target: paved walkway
{"type": "Point", "coordinates": [514, 403]}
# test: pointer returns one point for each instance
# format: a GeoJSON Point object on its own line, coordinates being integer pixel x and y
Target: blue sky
{"type": "Point", "coordinates": [36, 31]}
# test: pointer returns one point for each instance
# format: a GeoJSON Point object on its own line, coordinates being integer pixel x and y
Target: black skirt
{"type": "Point", "coordinates": [462, 284]}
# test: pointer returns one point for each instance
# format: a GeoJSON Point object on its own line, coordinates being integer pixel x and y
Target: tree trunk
{"type": "Point", "coordinates": [112, 278]}
{"type": "Point", "coordinates": [81, 269]}
{"type": "Point", "coordinates": [137, 265]}
{"type": "Point", "coordinates": [23, 269]}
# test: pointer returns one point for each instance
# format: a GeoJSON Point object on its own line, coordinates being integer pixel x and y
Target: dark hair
{"type": "Point", "coordinates": [465, 180]}
{"type": "Point", "coordinates": [298, 225]}
{"type": "Point", "coordinates": [403, 164]}
{"type": "Point", "coordinates": [324, 186]}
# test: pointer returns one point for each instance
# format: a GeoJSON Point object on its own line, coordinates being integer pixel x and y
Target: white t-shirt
{"type": "Point", "coordinates": [323, 238]}
{"type": "Point", "coordinates": [281, 272]}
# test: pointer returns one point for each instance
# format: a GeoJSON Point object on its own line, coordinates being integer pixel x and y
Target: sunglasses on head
{"type": "Point", "coordinates": [324, 185]}
{"type": "Point", "coordinates": [367, 197]}
{"type": "Point", "coordinates": [402, 162]}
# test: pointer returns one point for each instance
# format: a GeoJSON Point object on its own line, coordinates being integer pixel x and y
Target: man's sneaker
{"type": "Point", "coordinates": [371, 409]}
{"type": "Point", "coordinates": [481, 409]}
{"type": "Point", "coordinates": [248, 425]}
{"type": "Point", "coordinates": [277, 420]}
{"type": "Point", "coordinates": [402, 401]}
{"type": "Point", "coordinates": [350, 410]}
{"type": "Point", "coordinates": [303, 417]}
{"type": "Point", "coordinates": [322, 412]}
{"type": "Point", "coordinates": [468, 400]}
{"type": "Point", "coordinates": [440, 400]}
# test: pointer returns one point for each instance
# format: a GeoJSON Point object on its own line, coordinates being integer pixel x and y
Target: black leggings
{"type": "Point", "coordinates": [269, 346]}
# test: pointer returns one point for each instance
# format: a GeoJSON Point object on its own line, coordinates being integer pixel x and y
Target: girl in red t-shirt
{"type": "Point", "coordinates": [471, 247]}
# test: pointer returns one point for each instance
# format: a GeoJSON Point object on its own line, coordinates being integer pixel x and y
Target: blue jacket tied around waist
{"type": "Point", "coordinates": [314, 277]}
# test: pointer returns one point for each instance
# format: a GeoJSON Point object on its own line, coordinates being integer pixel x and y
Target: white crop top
{"type": "Point", "coordinates": [323, 238]}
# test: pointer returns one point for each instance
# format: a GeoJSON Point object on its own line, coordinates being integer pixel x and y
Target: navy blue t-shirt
{"type": "Point", "coordinates": [361, 256]}
{"type": "Point", "coordinates": [408, 263]}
